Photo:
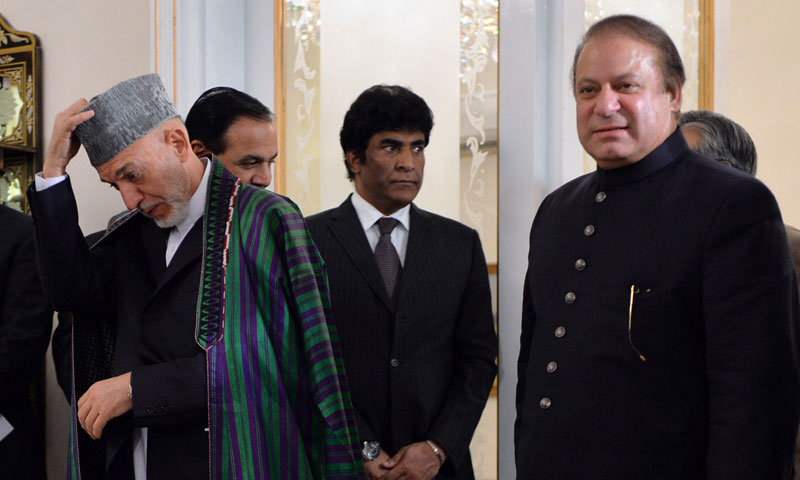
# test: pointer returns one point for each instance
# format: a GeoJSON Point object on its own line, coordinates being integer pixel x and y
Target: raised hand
{"type": "Point", "coordinates": [63, 143]}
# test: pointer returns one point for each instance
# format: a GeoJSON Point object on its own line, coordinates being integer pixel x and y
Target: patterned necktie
{"type": "Point", "coordinates": [386, 255]}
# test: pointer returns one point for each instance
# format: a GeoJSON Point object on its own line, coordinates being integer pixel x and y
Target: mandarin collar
{"type": "Point", "coordinates": [654, 161]}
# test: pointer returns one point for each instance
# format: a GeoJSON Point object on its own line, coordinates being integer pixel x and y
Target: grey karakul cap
{"type": "Point", "coordinates": [125, 113]}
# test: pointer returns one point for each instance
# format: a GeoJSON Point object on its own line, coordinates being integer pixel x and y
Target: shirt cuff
{"type": "Point", "coordinates": [45, 183]}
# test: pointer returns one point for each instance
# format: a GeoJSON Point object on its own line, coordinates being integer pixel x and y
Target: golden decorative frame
{"type": "Point", "coordinates": [20, 62]}
{"type": "Point", "coordinates": [705, 57]}
{"type": "Point", "coordinates": [280, 97]}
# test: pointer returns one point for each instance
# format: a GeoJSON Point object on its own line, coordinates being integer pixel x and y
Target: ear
{"type": "Point", "coordinates": [199, 148]}
{"type": "Point", "coordinates": [353, 161]}
{"type": "Point", "coordinates": [675, 99]}
{"type": "Point", "coordinates": [178, 139]}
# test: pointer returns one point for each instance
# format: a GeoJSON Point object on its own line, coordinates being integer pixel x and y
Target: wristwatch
{"type": "Point", "coordinates": [370, 451]}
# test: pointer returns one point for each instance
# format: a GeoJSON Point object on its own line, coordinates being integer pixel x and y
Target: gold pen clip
{"type": "Point", "coordinates": [634, 291]}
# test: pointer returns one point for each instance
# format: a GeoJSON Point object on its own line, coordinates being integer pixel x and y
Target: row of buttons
{"type": "Point", "coordinates": [159, 409]}
{"type": "Point", "coordinates": [569, 299]}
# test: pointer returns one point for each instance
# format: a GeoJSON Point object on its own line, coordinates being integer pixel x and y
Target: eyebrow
{"type": "Point", "coordinates": [397, 143]}
{"type": "Point", "coordinates": [121, 170]}
{"type": "Point", "coordinates": [617, 78]}
{"type": "Point", "coordinates": [256, 158]}
{"type": "Point", "coordinates": [119, 173]}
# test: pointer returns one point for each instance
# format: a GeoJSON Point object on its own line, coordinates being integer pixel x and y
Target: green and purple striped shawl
{"type": "Point", "coordinates": [278, 400]}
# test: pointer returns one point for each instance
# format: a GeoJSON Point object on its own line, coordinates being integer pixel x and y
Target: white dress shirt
{"type": "Point", "coordinates": [197, 205]}
{"type": "Point", "coordinates": [369, 216]}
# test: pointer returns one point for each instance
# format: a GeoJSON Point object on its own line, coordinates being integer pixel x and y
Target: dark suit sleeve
{"type": "Point", "coordinates": [62, 340]}
{"type": "Point", "coordinates": [476, 344]}
{"type": "Point", "coordinates": [26, 317]}
{"type": "Point", "coordinates": [73, 278]}
{"type": "Point", "coordinates": [62, 353]}
{"type": "Point", "coordinates": [751, 328]}
{"type": "Point", "coordinates": [170, 393]}
{"type": "Point", "coordinates": [526, 338]}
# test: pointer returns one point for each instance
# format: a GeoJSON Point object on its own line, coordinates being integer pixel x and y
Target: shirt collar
{"type": "Point", "coordinates": [368, 214]}
{"type": "Point", "coordinates": [654, 161]}
{"type": "Point", "coordinates": [197, 204]}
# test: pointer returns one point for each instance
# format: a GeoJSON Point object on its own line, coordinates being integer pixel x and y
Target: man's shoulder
{"type": "Point", "coordinates": [717, 180]}
{"type": "Point", "coordinates": [323, 216]}
{"type": "Point", "coordinates": [251, 197]}
{"type": "Point", "coordinates": [444, 225]}
{"type": "Point", "coordinates": [317, 221]}
{"type": "Point", "coordinates": [16, 225]}
{"type": "Point", "coordinates": [794, 239]}
{"type": "Point", "coordinates": [9, 216]}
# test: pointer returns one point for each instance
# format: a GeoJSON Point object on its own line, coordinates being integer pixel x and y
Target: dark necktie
{"type": "Point", "coordinates": [386, 255]}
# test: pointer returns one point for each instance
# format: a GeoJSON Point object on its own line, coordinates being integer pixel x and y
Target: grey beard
{"type": "Point", "coordinates": [179, 210]}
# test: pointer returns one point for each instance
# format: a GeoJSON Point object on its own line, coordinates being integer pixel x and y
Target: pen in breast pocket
{"type": "Point", "coordinates": [634, 291]}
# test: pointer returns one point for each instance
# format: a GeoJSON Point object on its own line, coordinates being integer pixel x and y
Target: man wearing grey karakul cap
{"type": "Point", "coordinates": [187, 310]}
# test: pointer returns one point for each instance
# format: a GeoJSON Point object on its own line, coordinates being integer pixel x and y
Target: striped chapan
{"type": "Point", "coordinates": [278, 400]}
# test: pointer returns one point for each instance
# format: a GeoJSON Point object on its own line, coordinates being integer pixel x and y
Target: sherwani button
{"type": "Point", "coordinates": [395, 362]}
{"type": "Point", "coordinates": [545, 403]}
{"type": "Point", "coordinates": [560, 332]}
{"type": "Point", "coordinates": [570, 297]}
{"type": "Point", "coordinates": [552, 367]}
{"type": "Point", "coordinates": [580, 264]}
{"type": "Point", "coordinates": [149, 410]}
{"type": "Point", "coordinates": [600, 197]}
{"type": "Point", "coordinates": [589, 230]}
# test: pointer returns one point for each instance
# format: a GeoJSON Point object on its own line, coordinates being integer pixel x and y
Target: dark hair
{"type": "Point", "coordinates": [383, 108]}
{"type": "Point", "coordinates": [630, 25]}
{"type": "Point", "coordinates": [214, 112]}
{"type": "Point", "coordinates": [722, 139]}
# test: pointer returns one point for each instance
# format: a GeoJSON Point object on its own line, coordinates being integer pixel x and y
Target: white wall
{"type": "Point", "coordinates": [763, 93]}
{"type": "Point", "coordinates": [87, 46]}
{"type": "Point", "coordinates": [364, 43]}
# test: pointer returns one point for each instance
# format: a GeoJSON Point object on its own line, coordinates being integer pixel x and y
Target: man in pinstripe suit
{"type": "Point", "coordinates": [410, 295]}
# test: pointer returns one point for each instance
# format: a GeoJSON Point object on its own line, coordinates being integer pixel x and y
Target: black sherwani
{"type": "Point", "coordinates": [25, 321]}
{"type": "Point", "coordinates": [142, 318]}
{"type": "Point", "coordinates": [715, 314]}
{"type": "Point", "coordinates": [424, 368]}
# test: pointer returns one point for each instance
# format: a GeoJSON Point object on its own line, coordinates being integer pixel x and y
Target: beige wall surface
{"type": "Point", "coordinates": [764, 98]}
{"type": "Point", "coordinates": [87, 46]}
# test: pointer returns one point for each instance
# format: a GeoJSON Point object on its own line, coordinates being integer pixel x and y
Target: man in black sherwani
{"type": "Point", "coordinates": [660, 311]}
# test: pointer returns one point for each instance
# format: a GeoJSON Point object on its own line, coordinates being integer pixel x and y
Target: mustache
{"type": "Point", "coordinates": [146, 207]}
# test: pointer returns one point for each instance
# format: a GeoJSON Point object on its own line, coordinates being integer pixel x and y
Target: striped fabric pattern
{"type": "Point", "coordinates": [278, 400]}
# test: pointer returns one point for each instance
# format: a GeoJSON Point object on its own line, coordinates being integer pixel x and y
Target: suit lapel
{"type": "Point", "coordinates": [190, 249]}
{"type": "Point", "coordinates": [420, 239]}
{"type": "Point", "coordinates": [347, 230]}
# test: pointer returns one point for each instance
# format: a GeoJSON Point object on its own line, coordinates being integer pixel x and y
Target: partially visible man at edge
{"type": "Point", "coordinates": [719, 138]}
{"type": "Point", "coordinates": [660, 312]}
{"type": "Point", "coordinates": [410, 292]}
{"type": "Point", "coordinates": [238, 130]}
{"type": "Point", "coordinates": [195, 370]}
{"type": "Point", "coordinates": [25, 322]}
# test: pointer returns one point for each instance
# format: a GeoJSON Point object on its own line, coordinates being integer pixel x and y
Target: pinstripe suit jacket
{"type": "Point", "coordinates": [423, 367]}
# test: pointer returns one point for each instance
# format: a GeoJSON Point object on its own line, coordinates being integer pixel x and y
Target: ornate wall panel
{"type": "Point", "coordinates": [20, 103]}
{"type": "Point", "coordinates": [478, 179]}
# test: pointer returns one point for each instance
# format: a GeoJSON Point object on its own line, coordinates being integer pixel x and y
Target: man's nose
{"type": "Point", "coordinates": [405, 159]}
{"type": "Point", "coordinates": [262, 176]}
{"type": "Point", "coordinates": [131, 196]}
{"type": "Point", "coordinates": [607, 102]}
